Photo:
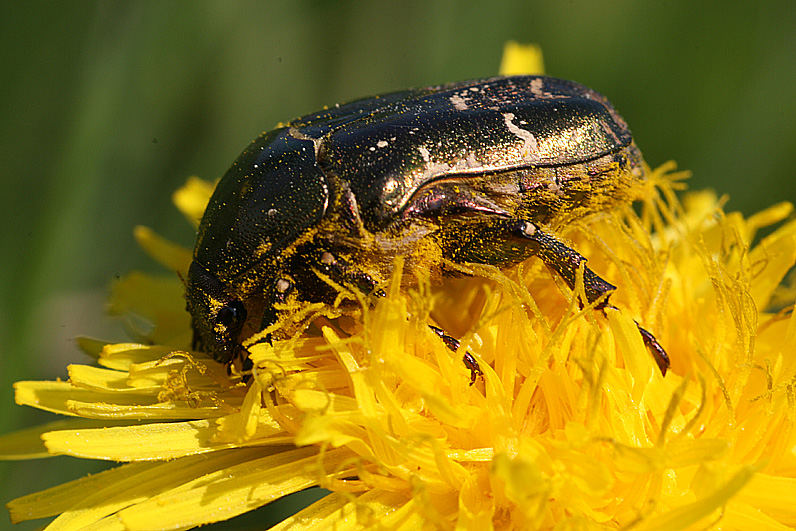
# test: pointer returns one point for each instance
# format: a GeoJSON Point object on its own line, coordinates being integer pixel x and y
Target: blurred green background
{"type": "Point", "coordinates": [107, 107]}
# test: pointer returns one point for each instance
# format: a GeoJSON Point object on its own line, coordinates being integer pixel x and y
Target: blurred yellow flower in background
{"type": "Point", "coordinates": [572, 425]}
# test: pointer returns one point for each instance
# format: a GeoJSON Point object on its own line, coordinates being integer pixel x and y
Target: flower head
{"type": "Point", "coordinates": [570, 425]}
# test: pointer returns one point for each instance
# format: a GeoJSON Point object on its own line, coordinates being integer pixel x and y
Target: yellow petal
{"type": "Point", "coordinates": [98, 379]}
{"type": "Point", "coordinates": [743, 516]}
{"type": "Point", "coordinates": [60, 498]}
{"type": "Point", "coordinates": [770, 216]}
{"type": "Point", "coordinates": [155, 441]}
{"type": "Point", "coordinates": [635, 355]}
{"type": "Point", "coordinates": [56, 397]}
{"type": "Point", "coordinates": [772, 495]}
{"type": "Point", "coordinates": [172, 256]}
{"type": "Point", "coordinates": [229, 492]}
{"type": "Point", "coordinates": [92, 347]}
{"type": "Point", "coordinates": [88, 500]}
{"type": "Point", "coordinates": [191, 199]}
{"type": "Point", "coordinates": [122, 356]}
{"type": "Point", "coordinates": [691, 513]}
{"type": "Point", "coordinates": [772, 258]}
{"type": "Point", "coordinates": [154, 306]}
{"type": "Point", "coordinates": [28, 444]}
{"type": "Point", "coordinates": [158, 411]}
{"type": "Point", "coordinates": [66, 399]}
{"type": "Point", "coordinates": [339, 512]}
{"type": "Point", "coordinates": [521, 59]}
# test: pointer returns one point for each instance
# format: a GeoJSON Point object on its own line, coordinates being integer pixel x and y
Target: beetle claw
{"type": "Point", "coordinates": [655, 348]}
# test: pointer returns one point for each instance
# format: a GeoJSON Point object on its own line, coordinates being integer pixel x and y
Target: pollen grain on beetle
{"type": "Point", "coordinates": [570, 424]}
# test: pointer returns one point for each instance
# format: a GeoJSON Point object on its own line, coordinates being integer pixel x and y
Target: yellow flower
{"type": "Point", "coordinates": [571, 425]}
{"type": "Point", "coordinates": [519, 58]}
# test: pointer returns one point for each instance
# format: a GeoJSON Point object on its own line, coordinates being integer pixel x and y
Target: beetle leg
{"type": "Point", "coordinates": [566, 262]}
{"type": "Point", "coordinates": [500, 241]}
{"type": "Point", "coordinates": [655, 348]}
{"type": "Point", "coordinates": [503, 235]}
{"type": "Point", "coordinates": [468, 359]}
{"type": "Point", "coordinates": [240, 365]}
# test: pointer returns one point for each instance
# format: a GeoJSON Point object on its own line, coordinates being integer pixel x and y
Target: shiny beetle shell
{"type": "Point", "coordinates": [445, 172]}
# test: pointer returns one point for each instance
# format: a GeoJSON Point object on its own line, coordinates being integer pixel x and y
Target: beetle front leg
{"type": "Point", "coordinates": [240, 365]}
{"type": "Point", "coordinates": [565, 261]}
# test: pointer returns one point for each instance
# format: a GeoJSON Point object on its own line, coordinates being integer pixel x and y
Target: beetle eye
{"type": "Point", "coordinates": [232, 315]}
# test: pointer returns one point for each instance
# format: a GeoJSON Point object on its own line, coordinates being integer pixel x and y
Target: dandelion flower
{"type": "Point", "coordinates": [571, 425]}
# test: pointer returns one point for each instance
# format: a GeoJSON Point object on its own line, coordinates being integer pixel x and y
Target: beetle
{"type": "Point", "coordinates": [483, 171]}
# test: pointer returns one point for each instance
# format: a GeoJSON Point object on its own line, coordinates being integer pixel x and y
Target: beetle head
{"type": "Point", "coordinates": [216, 317]}
{"type": "Point", "coordinates": [273, 196]}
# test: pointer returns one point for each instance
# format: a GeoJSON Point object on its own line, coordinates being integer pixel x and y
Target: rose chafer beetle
{"type": "Point", "coordinates": [481, 171]}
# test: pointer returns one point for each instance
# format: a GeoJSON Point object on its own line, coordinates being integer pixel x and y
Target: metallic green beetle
{"type": "Point", "coordinates": [480, 171]}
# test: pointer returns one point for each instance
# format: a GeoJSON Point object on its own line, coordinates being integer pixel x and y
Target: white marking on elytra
{"type": "Point", "coordinates": [297, 134]}
{"type": "Point", "coordinates": [537, 87]}
{"type": "Point", "coordinates": [458, 102]}
{"type": "Point", "coordinates": [382, 143]}
{"type": "Point", "coordinates": [282, 285]}
{"type": "Point", "coordinates": [530, 147]}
